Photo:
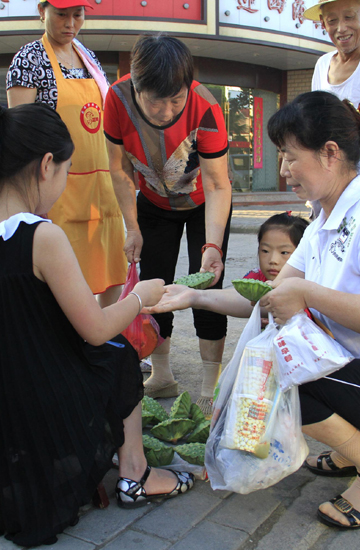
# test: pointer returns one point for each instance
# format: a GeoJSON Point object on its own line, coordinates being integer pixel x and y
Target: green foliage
{"type": "Point", "coordinates": [146, 417]}
{"type": "Point", "coordinates": [196, 414]}
{"type": "Point", "coordinates": [251, 289]}
{"type": "Point", "coordinates": [153, 407]}
{"type": "Point", "coordinates": [200, 434]}
{"type": "Point", "coordinates": [157, 453]}
{"type": "Point", "coordinates": [181, 406]}
{"type": "Point", "coordinates": [186, 421]}
{"type": "Point", "coordinates": [194, 453]}
{"type": "Point", "coordinates": [173, 429]}
{"type": "Point", "coordinates": [196, 280]}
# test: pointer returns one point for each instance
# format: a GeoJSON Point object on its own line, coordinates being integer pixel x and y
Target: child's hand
{"type": "Point", "coordinates": [150, 291]}
{"type": "Point", "coordinates": [175, 297]}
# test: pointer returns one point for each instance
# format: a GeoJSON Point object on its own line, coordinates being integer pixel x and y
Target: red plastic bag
{"type": "Point", "coordinates": [143, 333]}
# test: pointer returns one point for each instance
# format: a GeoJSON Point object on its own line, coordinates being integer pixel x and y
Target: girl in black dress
{"type": "Point", "coordinates": [69, 397]}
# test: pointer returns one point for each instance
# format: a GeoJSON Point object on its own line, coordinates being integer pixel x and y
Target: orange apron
{"type": "Point", "coordinates": [88, 211]}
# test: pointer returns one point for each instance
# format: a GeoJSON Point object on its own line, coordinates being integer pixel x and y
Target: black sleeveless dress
{"type": "Point", "coordinates": [62, 402]}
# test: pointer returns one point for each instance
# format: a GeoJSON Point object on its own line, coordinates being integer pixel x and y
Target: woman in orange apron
{"type": "Point", "coordinates": [60, 71]}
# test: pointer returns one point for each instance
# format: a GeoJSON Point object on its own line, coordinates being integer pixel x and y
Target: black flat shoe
{"type": "Point", "coordinates": [130, 493]}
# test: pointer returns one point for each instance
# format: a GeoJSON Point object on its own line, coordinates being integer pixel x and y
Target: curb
{"type": "Point", "coordinates": [245, 228]}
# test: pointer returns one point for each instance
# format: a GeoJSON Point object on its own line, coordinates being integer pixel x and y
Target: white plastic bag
{"type": "Point", "coordinates": [305, 352]}
{"type": "Point", "coordinates": [282, 444]}
{"type": "Point", "coordinates": [181, 465]}
{"type": "Point", "coordinates": [227, 378]}
{"type": "Point", "coordinates": [243, 472]}
{"type": "Point", "coordinates": [253, 395]}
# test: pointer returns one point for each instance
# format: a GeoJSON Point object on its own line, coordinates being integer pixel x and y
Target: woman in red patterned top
{"type": "Point", "coordinates": [170, 129]}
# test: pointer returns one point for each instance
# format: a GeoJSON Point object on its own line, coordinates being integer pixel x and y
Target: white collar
{"type": "Point", "coordinates": [9, 226]}
{"type": "Point", "coordinates": [347, 199]}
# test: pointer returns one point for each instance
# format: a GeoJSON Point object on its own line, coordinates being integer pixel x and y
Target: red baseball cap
{"type": "Point", "coordinates": [62, 4]}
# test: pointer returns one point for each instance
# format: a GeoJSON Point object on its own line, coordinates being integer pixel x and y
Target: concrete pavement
{"type": "Point", "coordinates": [282, 517]}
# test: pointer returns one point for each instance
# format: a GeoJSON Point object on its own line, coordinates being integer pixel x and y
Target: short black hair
{"type": "Point", "coordinates": [313, 118]}
{"type": "Point", "coordinates": [161, 64]}
{"type": "Point", "coordinates": [294, 226]}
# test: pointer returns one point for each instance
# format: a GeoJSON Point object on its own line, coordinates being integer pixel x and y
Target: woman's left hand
{"type": "Point", "coordinates": [287, 298]}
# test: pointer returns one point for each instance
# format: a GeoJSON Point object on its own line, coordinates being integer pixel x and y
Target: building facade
{"type": "Point", "coordinates": [254, 55]}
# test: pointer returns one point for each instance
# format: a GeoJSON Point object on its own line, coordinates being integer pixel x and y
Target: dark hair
{"type": "Point", "coordinates": [27, 133]}
{"type": "Point", "coordinates": [294, 226]}
{"type": "Point", "coordinates": [313, 119]}
{"type": "Point", "coordinates": [161, 64]}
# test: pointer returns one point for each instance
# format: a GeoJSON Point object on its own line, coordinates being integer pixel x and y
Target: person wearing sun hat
{"type": "Point", "coordinates": [339, 71]}
{"type": "Point", "coordinates": [59, 71]}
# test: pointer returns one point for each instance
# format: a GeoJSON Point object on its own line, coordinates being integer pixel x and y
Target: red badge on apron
{"type": "Point", "coordinates": [90, 117]}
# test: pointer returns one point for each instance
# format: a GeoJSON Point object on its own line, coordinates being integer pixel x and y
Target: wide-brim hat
{"type": "Point", "coordinates": [63, 4]}
{"type": "Point", "coordinates": [314, 13]}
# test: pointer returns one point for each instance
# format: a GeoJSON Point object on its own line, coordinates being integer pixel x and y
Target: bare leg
{"type": "Point", "coordinates": [110, 296]}
{"type": "Point", "coordinates": [132, 461]}
{"type": "Point", "coordinates": [344, 438]}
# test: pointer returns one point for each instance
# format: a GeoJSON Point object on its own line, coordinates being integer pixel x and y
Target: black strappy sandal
{"type": "Point", "coordinates": [130, 493]}
{"type": "Point", "coordinates": [335, 471]}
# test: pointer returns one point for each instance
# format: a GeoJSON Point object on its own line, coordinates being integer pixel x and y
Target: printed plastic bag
{"type": "Point", "coordinates": [305, 352]}
{"type": "Point", "coordinates": [280, 444]}
{"type": "Point", "coordinates": [243, 472]}
{"type": "Point", "coordinates": [253, 396]}
{"type": "Point", "coordinates": [143, 333]}
{"type": "Point", "coordinates": [227, 378]}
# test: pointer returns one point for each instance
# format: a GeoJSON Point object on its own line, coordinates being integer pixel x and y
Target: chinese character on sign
{"type": "Point", "coordinates": [298, 9]}
{"type": "Point", "coordinates": [278, 5]}
{"type": "Point", "coordinates": [246, 5]}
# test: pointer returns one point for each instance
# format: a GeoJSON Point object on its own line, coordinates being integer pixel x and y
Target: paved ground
{"type": "Point", "coordinates": [282, 517]}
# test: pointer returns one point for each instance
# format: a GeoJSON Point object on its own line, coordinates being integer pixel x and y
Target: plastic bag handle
{"type": "Point", "coordinates": [271, 318]}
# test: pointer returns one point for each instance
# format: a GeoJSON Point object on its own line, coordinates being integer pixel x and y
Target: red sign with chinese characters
{"type": "Point", "coordinates": [258, 132]}
{"type": "Point", "coordinates": [278, 5]}
{"type": "Point", "coordinates": [298, 9]}
{"type": "Point", "coordinates": [246, 5]}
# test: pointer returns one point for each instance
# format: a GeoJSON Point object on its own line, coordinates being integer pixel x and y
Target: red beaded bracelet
{"type": "Point", "coordinates": [212, 245]}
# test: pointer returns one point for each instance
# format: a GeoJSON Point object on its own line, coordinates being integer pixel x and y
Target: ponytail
{"type": "Point", "coordinates": [355, 113]}
{"type": "Point", "coordinates": [294, 226]}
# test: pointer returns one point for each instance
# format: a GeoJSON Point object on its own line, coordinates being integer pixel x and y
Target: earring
{"type": "Point", "coordinates": [42, 19]}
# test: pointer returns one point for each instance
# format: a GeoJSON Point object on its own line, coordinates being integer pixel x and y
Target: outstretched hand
{"type": "Point", "coordinates": [175, 297]}
{"type": "Point", "coordinates": [150, 291]}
